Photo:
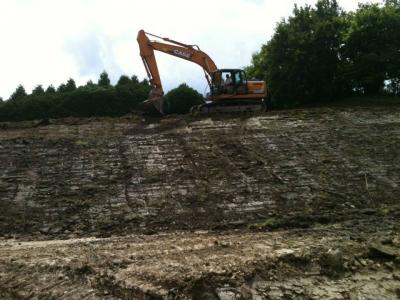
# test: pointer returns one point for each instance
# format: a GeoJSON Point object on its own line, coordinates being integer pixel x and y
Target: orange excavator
{"type": "Point", "coordinates": [230, 91]}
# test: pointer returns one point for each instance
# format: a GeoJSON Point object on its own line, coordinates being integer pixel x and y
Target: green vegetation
{"type": "Point", "coordinates": [19, 94]}
{"type": "Point", "coordinates": [181, 99]}
{"type": "Point", "coordinates": [322, 53]}
{"type": "Point", "coordinates": [67, 100]}
{"type": "Point", "coordinates": [101, 99]}
{"type": "Point", "coordinates": [104, 80]}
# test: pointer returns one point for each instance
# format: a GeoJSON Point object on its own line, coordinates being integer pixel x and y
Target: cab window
{"type": "Point", "coordinates": [238, 78]}
{"type": "Point", "coordinates": [227, 78]}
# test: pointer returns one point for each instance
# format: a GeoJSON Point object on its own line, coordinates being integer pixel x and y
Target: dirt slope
{"type": "Point", "coordinates": [300, 204]}
{"type": "Point", "coordinates": [126, 175]}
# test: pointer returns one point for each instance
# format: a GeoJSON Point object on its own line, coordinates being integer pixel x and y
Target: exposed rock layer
{"type": "Point", "coordinates": [125, 175]}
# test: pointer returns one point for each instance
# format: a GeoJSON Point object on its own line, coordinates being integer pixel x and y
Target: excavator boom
{"type": "Point", "coordinates": [191, 53]}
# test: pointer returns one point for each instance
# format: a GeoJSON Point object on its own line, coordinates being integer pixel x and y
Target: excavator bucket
{"type": "Point", "coordinates": [152, 106]}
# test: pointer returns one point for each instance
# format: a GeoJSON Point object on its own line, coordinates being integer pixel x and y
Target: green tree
{"type": "Point", "coordinates": [104, 80]}
{"type": "Point", "coordinates": [300, 62]}
{"type": "Point", "coordinates": [61, 88]}
{"type": "Point", "coordinates": [181, 99]}
{"type": "Point", "coordinates": [1, 100]}
{"type": "Point", "coordinates": [38, 90]}
{"type": "Point", "coordinates": [258, 67]}
{"type": "Point", "coordinates": [50, 90]}
{"type": "Point", "coordinates": [371, 47]}
{"type": "Point", "coordinates": [394, 3]}
{"type": "Point", "coordinates": [134, 79]}
{"type": "Point", "coordinates": [393, 87]}
{"type": "Point", "coordinates": [70, 86]}
{"type": "Point", "coordinates": [145, 83]}
{"type": "Point", "coordinates": [19, 94]}
{"type": "Point", "coordinates": [124, 80]}
{"type": "Point", "coordinates": [90, 84]}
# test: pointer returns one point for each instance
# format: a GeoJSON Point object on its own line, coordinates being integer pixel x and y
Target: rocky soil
{"type": "Point", "coordinates": [300, 204]}
{"type": "Point", "coordinates": [357, 259]}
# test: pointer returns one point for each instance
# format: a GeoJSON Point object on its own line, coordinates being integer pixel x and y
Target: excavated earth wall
{"type": "Point", "coordinates": [97, 177]}
{"type": "Point", "coordinates": [299, 204]}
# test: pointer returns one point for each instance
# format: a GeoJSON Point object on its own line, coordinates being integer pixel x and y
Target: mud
{"type": "Point", "coordinates": [300, 204]}
{"type": "Point", "coordinates": [336, 261]}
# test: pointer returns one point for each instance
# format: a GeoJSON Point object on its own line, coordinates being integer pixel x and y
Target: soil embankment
{"type": "Point", "coordinates": [300, 204]}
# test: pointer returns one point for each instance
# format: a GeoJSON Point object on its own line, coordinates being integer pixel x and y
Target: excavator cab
{"type": "Point", "coordinates": [229, 81]}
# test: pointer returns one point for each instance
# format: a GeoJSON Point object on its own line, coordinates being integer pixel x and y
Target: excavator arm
{"type": "Point", "coordinates": [191, 53]}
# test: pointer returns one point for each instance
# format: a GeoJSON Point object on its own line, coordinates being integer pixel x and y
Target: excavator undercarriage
{"type": "Point", "coordinates": [230, 91]}
{"type": "Point", "coordinates": [233, 106]}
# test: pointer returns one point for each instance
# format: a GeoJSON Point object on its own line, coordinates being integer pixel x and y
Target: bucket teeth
{"type": "Point", "coordinates": [152, 106]}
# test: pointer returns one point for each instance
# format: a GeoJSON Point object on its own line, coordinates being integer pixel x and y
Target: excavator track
{"type": "Point", "coordinates": [231, 107]}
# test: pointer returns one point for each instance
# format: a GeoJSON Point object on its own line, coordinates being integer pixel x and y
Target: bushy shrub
{"type": "Point", "coordinates": [181, 99]}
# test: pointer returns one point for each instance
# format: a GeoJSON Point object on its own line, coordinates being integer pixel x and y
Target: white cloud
{"type": "Point", "coordinates": [46, 41]}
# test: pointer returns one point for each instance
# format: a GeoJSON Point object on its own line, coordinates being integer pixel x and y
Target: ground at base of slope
{"type": "Point", "coordinates": [343, 260]}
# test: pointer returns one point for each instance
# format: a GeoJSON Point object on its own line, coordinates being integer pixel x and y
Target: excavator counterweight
{"type": "Point", "coordinates": [229, 88]}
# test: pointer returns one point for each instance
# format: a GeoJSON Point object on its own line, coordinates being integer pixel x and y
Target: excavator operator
{"type": "Point", "coordinates": [228, 80]}
{"type": "Point", "coordinates": [228, 84]}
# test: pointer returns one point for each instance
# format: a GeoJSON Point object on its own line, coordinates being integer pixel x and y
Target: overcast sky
{"type": "Point", "coordinates": [46, 41]}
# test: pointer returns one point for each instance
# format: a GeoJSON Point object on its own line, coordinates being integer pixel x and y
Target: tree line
{"type": "Point", "coordinates": [322, 53]}
{"type": "Point", "coordinates": [93, 99]}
